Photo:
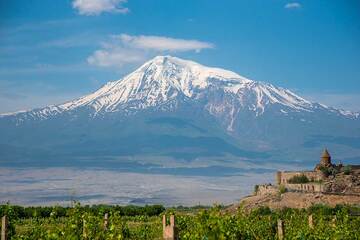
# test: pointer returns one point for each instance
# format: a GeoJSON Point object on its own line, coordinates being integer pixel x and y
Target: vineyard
{"type": "Point", "coordinates": [131, 222]}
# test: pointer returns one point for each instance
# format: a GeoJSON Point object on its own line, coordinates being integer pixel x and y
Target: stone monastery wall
{"type": "Point", "coordinates": [306, 187]}
{"type": "Point", "coordinates": [315, 177]}
{"type": "Point", "coordinates": [283, 177]}
{"type": "Point", "coordinates": [267, 189]}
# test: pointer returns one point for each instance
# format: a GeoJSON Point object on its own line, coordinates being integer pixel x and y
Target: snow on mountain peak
{"type": "Point", "coordinates": [166, 79]}
{"type": "Point", "coordinates": [157, 81]}
{"type": "Point", "coordinates": [203, 72]}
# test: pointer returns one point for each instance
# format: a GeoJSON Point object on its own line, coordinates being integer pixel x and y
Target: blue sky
{"type": "Point", "coordinates": [53, 51]}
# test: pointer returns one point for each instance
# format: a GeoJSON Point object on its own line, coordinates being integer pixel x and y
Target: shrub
{"type": "Point", "coordinates": [262, 210]}
{"type": "Point", "coordinates": [324, 170]}
{"type": "Point", "coordinates": [282, 189]}
{"type": "Point", "coordinates": [347, 170]}
{"type": "Point", "coordinates": [58, 211]}
{"type": "Point", "coordinates": [320, 209]}
{"type": "Point", "coordinates": [299, 179]}
{"type": "Point", "coordinates": [256, 189]}
{"type": "Point", "coordinates": [327, 171]}
{"type": "Point", "coordinates": [211, 224]}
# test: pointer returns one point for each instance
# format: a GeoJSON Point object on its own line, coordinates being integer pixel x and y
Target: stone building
{"type": "Point", "coordinates": [325, 161]}
{"type": "Point", "coordinates": [326, 177]}
{"type": "Point", "coordinates": [315, 177]}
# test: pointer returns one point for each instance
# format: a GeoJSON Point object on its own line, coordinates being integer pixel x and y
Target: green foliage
{"type": "Point", "coordinates": [82, 224]}
{"type": "Point", "coordinates": [321, 209]}
{"type": "Point", "coordinates": [282, 189]}
{"type": "Point", "coordinates": [299, 179]}
{"type": "Point", "coordinates": [261, 224]}
{"type": "Point", "coordinates": [324, 170]}
{"type": "Point", "coordinates": [347, 170]}
{"type": "Point", "coordinates": [329, 171]}
{"type": "Point", "coordinates": [261, 211]}
{"type": "Point", "coordinates": [211, 224]}
{"type": "Point", "coordinates": [10, 212]}
{"type": "Point", "coordinates": [256, 188]}
{"type": "Point", "coordinates": [59, 211]}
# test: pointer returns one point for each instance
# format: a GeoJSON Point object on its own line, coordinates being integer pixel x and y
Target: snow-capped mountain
{"type": "Point", "coordinates": [198, 107]}
{"type": "Point", "coordinates": [165, 80]}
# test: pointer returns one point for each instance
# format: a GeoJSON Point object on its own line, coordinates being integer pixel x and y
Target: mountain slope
{"type": "Point", "coordinates": [179, 109]}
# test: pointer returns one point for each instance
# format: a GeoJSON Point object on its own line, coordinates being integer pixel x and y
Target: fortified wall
{"type": "Point", "coordinates": [285, 176]}
{"type": "Point", "coordinates": [315, 177]}
{"type": "Point", "coordinates": [315, 181]}
{"type": "Point", "coordinates": [267, 189]}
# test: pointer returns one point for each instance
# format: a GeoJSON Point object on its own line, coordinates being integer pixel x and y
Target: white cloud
{"type": "Point", "coordinates": [163, 43]}
{"type": "Point", "coordinates": [292, 5]}
{"type": "Point", "coordinates": [115, 56]}
{"type": "Point", "coordinates": [96, 7]}
{"type": "Point", "coordinates": [126, 49]}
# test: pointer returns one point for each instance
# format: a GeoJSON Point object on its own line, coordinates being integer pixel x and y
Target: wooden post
{"type": "Point", "coordinates": [85, 234]}
{"type": "Point", "coordinates": [172, 220]}
{"type": "Point", "coordinates": [333, 222]}
{"type": "Point", "coordinates": [280, 227]}
{"type": "Point", "coordinates": [170, 232]}
{"type": "Point", "coordinates": [4, 225]}
{"type": "Point", "coordinates": [311, 221]}
{"type": "Point", "coordinates": [106, 221]}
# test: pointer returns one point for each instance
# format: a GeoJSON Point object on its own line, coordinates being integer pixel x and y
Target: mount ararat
{"type": "Point", "coordinates": [174, 112]}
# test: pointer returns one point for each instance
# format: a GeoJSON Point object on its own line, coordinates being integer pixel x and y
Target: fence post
{"type": "Point", "coordinates": [164, 221]}
{"type": "Point", "coordinates": [280, 231]}
{"type": "Point", "coordinates": [311, 221]}
{"type": "Point", "coordinates": [170, 232]}
{"type": "Point", "coordinates": [4, 225]}
{"type": "Point", "coordinates": [106, 221]}
{"type": "Point", "coordinates": [85, 233]}
{"type": "Point", "coordinates": [333, 221]}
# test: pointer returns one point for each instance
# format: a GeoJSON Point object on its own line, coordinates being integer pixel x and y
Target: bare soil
{"type": "Point", "coordinates": [294, 200]}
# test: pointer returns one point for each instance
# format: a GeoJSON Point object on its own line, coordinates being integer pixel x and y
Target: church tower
{"type": "Point", "coordinates": [325, 159]}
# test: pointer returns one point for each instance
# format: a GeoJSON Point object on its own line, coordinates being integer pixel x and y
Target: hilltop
{"type": "Point", "coordinates": [328, 184]}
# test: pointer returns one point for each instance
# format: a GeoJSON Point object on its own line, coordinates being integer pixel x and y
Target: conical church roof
{"type": "Point", "coordinates": [325, 154]}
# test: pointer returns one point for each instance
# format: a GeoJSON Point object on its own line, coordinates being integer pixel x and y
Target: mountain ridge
{"type": "Point", "coordinates": [177, 111]}
{"type": "Point", "coordinates": [164, 78]}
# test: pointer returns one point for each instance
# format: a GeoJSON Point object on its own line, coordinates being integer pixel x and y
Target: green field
{"type": "Point", "coordinates": [133, 222]}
